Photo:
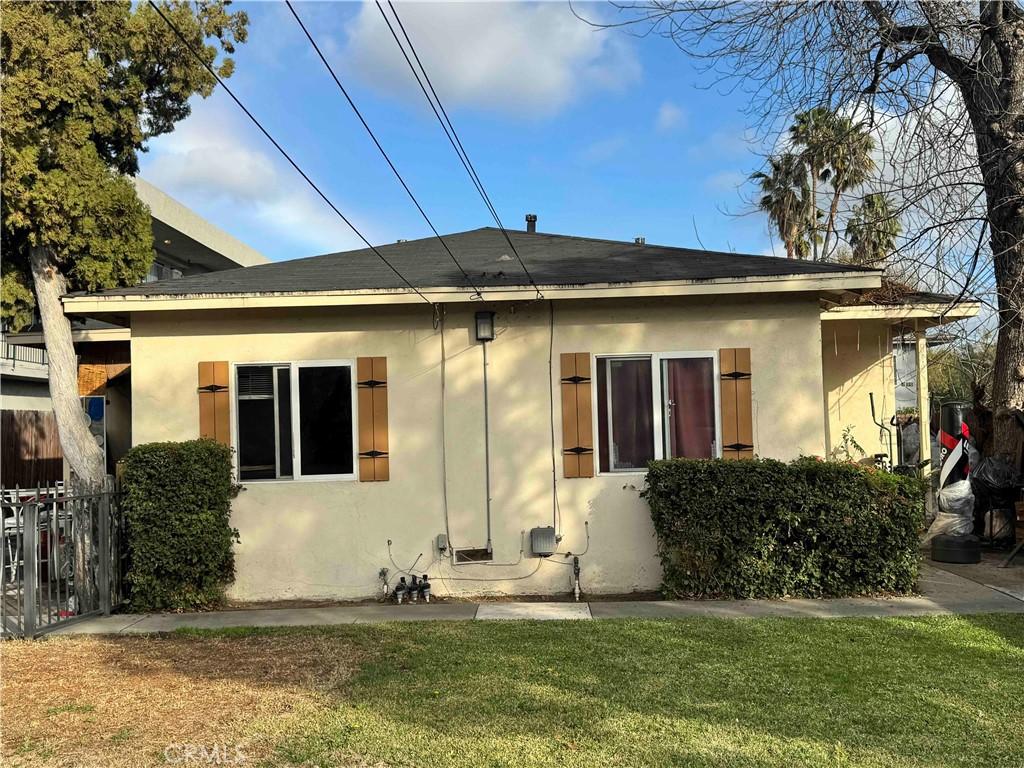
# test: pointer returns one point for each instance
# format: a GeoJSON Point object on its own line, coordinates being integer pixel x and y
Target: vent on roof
{"type": "Point", "coordinates": [640, 240]}
{"type": "Point", "coordinates": [531, 222]}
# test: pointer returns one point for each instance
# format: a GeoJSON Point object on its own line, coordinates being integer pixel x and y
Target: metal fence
{"type": "Point", "coordinates": [20, 354]}
{"type": "Point", "coordinates": [62, 558]}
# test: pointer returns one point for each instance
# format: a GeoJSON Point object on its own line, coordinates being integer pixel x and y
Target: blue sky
{"type": "Point", "coordinates": [598, 132]}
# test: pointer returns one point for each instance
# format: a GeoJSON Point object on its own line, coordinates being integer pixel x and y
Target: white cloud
{"type": "Point", "coordinates": [669, 117]}
{"type": "Point", "coordinates": [511, 57]}
{"type": "Point", "coordinates": [726, 181]}
{"type": "Point", "coordinates": [730, 144]}
{"type": "Point", "coordinates": [601, 151]}
{"type": "Point", "coordinates": [209, 164]}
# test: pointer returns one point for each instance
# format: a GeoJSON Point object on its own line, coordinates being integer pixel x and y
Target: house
{"type": "Point", "coordinates": [185, 244]}
{"type": "Point", "coordinates": [388, 411]}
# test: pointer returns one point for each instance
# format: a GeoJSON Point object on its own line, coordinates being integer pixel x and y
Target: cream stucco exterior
{"type": "Point", "coordinates": [329, 539]}
{"type": "Point", "coordinates": [857, 362]}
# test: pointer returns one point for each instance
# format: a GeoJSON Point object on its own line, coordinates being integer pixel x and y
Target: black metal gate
{"type": "Point", "coordinates": [62, 558]}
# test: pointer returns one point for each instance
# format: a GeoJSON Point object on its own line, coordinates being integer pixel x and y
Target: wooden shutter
{"type": "Point", "coordinates": [372, 388]}
{"type": "Point", "coordinates": [737, 404]}
{"type": "Point", "coordinates": [214, 402]}
{"type": "Point", "coordinates": [577, 415]}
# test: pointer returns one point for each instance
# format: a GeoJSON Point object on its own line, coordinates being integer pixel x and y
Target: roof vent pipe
{"type": "Point", "coordinates": [640, 240]}
{"type": "Point", "coordinates": [531, 222]}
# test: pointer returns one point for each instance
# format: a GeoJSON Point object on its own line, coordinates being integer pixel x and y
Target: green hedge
{"type": "Point", "coordinates": [177, 499]}
{"type": "Point", "coordinates": [761, 528]}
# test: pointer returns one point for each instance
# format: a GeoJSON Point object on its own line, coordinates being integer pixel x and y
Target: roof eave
{"type": "Point", "coordinates": [100, 303]}
{"type": "Point", "coordinates": [931, 313]}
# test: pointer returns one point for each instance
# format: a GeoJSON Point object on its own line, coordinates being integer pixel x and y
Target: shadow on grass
{"type": "Point", "coordinates": [689, 692]}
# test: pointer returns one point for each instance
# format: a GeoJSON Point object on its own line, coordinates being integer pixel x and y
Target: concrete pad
{"type": "Point", "coordinates": [989, 572]}
{"type": "Point", "coordinates": [282, 617]}
{"type": "Point", "coordinates": [539, 611]}
{"type": "Point", "coordinates": [101, 625]}
{"type": "Point", "coordinates": [941, 593]}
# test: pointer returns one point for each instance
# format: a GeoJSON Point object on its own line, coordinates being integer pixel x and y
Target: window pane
{"type": "Point", "coordinates": [625, 413]}
{"type": "Point", "coordinates": [284, 421]}
{"type": "Point", "coordinates": [687, 387]}
{"type": "Point", "coordinates": [325, 420]}
{"type": "Point", "coordinates": [256, 441]}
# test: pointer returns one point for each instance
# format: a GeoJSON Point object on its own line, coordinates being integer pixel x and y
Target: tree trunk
{"type": "Point", "coordinates": [814, 213]}
{"type": "Point", "coordinates": [994, 95]}
{"type": "Point", "coordinates": [1008, 377]}
{"type": "Point", "coordinates": [830, 226]}
{"type": "Point", "coordinates": [82, 453]}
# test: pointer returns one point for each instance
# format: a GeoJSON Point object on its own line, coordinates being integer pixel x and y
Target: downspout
{"type": "Point", "coordinates": [487, 452]}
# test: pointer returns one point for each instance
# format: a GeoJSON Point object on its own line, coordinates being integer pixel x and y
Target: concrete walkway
{"type": "Point", "coordinates": [942, 592]}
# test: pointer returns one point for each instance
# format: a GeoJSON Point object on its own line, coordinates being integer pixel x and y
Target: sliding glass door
{"type": "Point", "coordinates": [688, 407]}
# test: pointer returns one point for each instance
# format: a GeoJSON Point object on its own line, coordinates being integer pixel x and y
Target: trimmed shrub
{"type": "Point", "coordinates": [762, 528]}
{"type": "Point", "coordinates": [177, 499]}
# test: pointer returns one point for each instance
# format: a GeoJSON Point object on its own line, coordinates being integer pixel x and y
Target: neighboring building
{"type": "Point", "coordinates": [185, 244]}
{"type": "Point", "coordinates": [370, 426]}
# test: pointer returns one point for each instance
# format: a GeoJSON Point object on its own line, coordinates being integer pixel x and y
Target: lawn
{"type": "Point", "coordinates": [941, 691]}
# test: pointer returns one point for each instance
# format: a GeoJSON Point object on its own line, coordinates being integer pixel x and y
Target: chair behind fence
{"type": "Point", "coordinates": [62, 557]}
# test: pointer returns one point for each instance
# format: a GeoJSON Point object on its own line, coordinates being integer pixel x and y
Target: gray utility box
{"type": "Point", "coordinates": [542, 541]}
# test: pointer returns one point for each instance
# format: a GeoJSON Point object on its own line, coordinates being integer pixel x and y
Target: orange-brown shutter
{"type": "Point", "coordinates": [737, 404]}
{"type": "Point", "coordinates": [214, 403]}
{"type": "Point", "coordinates": [577, 417]}
{"type": "Point", "coordinates": [372, 388]}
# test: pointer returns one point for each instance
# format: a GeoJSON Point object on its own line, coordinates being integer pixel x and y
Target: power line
{"type": "Point", "coordinates": [384, 154]}
{"type": "Point", "coordinates": [449, 130]}
{"type": "Point", "coordinates": [286, 156]}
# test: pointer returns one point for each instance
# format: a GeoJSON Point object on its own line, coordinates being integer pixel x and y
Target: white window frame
{"type": "Point", "coordinates": [293, 368]}
{"type": "Point", "coordinates": [658, 417]}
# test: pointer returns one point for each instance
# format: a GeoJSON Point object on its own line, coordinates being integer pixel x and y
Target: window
{"type": "Point", "coordinates": [625, 412]}
{"type": "Point", "coordinates": [688, 407]}
{"type": "Point", "coordinates": [632, 431]}
{"type": "Point", "coordinates": [294, 420]}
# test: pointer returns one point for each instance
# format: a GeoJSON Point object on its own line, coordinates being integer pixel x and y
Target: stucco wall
{"type": "Point", "coordinates": [24, 394]}
{"type": "Point", "coordinates": [857, 360]}
{"type": "Point", "coordinates": [329, 538]}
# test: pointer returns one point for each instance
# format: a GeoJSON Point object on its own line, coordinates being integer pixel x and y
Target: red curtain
{"type": "Point", "coordinates": [632, 413]}
{"type": "Point", "coordinates": [689, 392]}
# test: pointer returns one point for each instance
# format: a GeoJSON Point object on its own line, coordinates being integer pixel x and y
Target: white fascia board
{"type": "Point", "coordinates": [937, 313]}
{"type": "Point", "coordinates": [92, 334]}
{"type": "Point", "coordinates": [786, 284]}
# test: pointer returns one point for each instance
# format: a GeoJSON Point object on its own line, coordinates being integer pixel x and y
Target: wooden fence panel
{"type": "Point", "coordinates": [30, 453]}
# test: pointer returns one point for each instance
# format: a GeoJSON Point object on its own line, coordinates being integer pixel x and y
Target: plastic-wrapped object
{"type": "Point", "coordinates": [995, 481]}
{"type": "Point", "coordinates": [956, 511]}
{"type": "Point", "coordinates": [996, 485]}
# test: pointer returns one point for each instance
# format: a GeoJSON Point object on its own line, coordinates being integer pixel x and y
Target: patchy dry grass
{"type": "Point", "coordinates": [121, 701]}
{"type": "Point", "coordinates": [762, 693]}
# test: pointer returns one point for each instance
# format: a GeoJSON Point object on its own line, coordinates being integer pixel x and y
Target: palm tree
{"type": "Point", "coordinates": [872, 230]}
{"type": "Point", "coordinates": [786, 197]}
{"type": "Point", "coordinates": [813, 134]}
{"type": "Point", "coordinates": [849, 166]}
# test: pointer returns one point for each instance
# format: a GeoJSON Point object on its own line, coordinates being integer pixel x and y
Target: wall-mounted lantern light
{"type": "Point", "coordinates": [485, 326]}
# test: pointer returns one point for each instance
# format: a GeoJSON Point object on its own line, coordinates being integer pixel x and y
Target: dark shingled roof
{"type": "Point", "coordinates": [553, 260]}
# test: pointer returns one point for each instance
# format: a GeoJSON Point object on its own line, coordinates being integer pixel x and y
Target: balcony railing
{"type": "Point", "coordinates": [20, 354]}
